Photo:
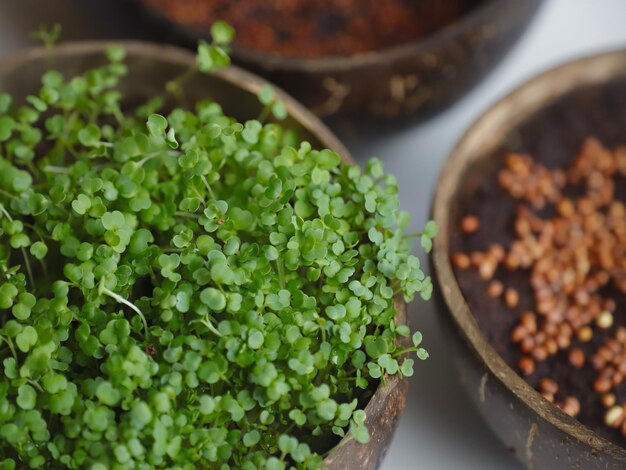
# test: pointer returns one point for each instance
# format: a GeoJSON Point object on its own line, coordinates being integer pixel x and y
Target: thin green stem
{"type": "Point", "coordinates": [118, 298]}
{"type": "Point", "coordinates": [119, 116]}
{"type": "Point", "coordinates": [35, 384]}
{"type": "Point", "coordinates": [7, 194]}
{"type": "Point", "coordinates": [26, 261]}
{"type": "Point", "coordinates": [198, 193]}
{"type": "Point", "coordinates": [38, 232]}
{"type": "Point", "coordinates": [174, 87]}
{"type": "Point", "coordinates": [187, 215]}
{"type": "Point", "coordinates": [29, 270]}
{"type": "Point", "coordinates": [206, 322]}
{"type": "Point", "coordinates": [93, 116]}
{"type": "Point", "coordinates": [4, 211]}
{"type": "Point", "coordinates": [264, 113]}
{"type": "Point", "coordinates": [346, 379]}
{"type": "Point", "coordinates": [33, 169]}
{"type": "Point", "coordinates": [169, 249]}
{"type": "Point", "coordinates": [401, 352]}
{"type": "Point", "coordinates": [289, 428]}
{"type": "Point", "coordinates": [150, 156]}
{"type": "Point", "coordinates": [56, 169]}
{"type": "Point", "coordinates": [75, 155]}
{"type": "Point", "coordinates": [413, 235]}
{"type": "Point", "coordinates": [208, 187]}
{"type": "Point", "coordinates": [281, 271]}
{"type": "Point", "coordinates": [69, 120]}
{"type": "Point", "coordinates": [8, 341]}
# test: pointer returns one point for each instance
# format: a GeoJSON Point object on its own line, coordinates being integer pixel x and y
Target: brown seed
{"type": "Point", "coordinates": [605, 320]}
{"type": "Point", "coordinates": [469, 224]}
{"type": "Point", "coordinates": [585, 206]}
{"type": "Point", "coordinates": [563, 341]}
{"type": "Point", "coordinates": [597, 362]}
{"type": "Point", "coordinates": [529, 320]}
{"type": "Point", "coordinates": [519, 333]}
{"type": "Point", "coordinates": [547, 396]}
{"type": "Point", "coordinates": [571, 406]}
{"type": "Point", "coordinates": [512, 261]}
{"type": "Point", "coordinates": [511, 298]}
{"type": "Point", "coordinates": [487, 268]}
{"type": "Point", "coordinates": [497, 252]}
{"type": "Point", "coordinates": [527, 345]}
{"type": "Point", "coordinates": [614, 347]}
{"type": "Point", "coordinates": [540, 353]}
{"type": "Point", "coordinates": [527, 365]}
{"type": "Point", "coordinates": [608, 400]}
{"type": "Point", "coordinates": [552, 347]}
{"type": "Point", "coordinates": [614, 416]}
{"type": "Point", "coordinates": [495, 289]}
{"type": "Point", "coordinates": [602, 385]}
{"type": "Point", "coordinates": [522, 227]}
{"type": "Point", "coordinates": [551, 329]}
{"type": "Point", "coordinates": [460, 260]}
{"type": "Point", "coordinates": [606, 353]}
{"type": "Point", "coordinates": [548, 385]}
{"type": "Point", "coordinates": [609, 304]}
{"type": "Point", "coordinates": [621, 364]}
{"type": "Point", "coordinates": [582, 297]}
{"type": "Point", "coordinates": [151, 349]}
{"type": "Point", "coordinates": [584, 334]}
{"type": "Point", "coordinates": [577, 358]}
{"type": "Point", "coordinates": [476, 258]}
{"type": "Point", "coordinates": [565, 207]}
{"type": "Point", "coordinates": [565, 329]}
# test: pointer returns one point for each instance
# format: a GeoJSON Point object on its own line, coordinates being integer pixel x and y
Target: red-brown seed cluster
{"type": "Point", "coordinates": [548, 389]}
{"type": "Point", "coordinates": [610, 363]}
{"type": "Point", "coordinates": [570, 235]}
{"type": "Point", "coordinates": [524, 178]}
{"type": "Point", "coordinates": [470, 223]}
{"type": "Point", "coordinates": [495, 289]}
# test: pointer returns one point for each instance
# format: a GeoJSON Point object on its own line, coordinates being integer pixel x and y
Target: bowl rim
{"type": "Point", "coordinates": [337, 63]}
{"type": "Point", "coordinates": [531, 96]}
{"type": "Point", "coordinates": [250, 83]}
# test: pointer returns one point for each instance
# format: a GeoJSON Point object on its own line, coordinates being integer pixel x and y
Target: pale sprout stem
{"type": "Point", "coordinates": [118, 298]}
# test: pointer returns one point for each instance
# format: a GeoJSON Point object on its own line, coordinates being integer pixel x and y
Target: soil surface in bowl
{"type": "Point", "coordinates": [554, 137]}
{"type": "Point", "coordinates": [318, 28]}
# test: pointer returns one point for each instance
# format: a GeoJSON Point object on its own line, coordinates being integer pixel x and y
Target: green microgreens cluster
{"type": "Point", "coordinates": [188, 291]}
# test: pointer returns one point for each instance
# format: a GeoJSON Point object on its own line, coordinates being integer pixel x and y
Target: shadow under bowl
{"type": "Point", "coordinates": [151, 66]}
{"type": "Point", "coordinates": [548, 117]}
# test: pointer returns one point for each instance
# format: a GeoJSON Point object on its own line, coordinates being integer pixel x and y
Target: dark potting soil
{"type": "Point", "coordinates": [553, 137]}
{"type": "Point", "coordinates": [318, 28]}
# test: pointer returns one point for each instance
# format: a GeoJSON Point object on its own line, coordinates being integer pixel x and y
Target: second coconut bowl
{"type": "Point", "coordinates": [549, 118]}
{"type": "Point", "coordinates": [414, 79]}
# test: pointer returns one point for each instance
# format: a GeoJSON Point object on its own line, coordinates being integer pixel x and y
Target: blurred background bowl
{"type": "Point", "coordinates": [414, 79]}
{"type": "Point", "coordinates": [549, 115]}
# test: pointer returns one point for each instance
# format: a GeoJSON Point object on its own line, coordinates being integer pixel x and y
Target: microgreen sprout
{"type": "Point", "coordinates": [49, 37]}
{"type": "Point", "coordinates": [182, 290]}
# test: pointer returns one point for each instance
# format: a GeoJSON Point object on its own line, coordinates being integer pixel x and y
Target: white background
{"type": "Point", "coordinates": [439, 430]}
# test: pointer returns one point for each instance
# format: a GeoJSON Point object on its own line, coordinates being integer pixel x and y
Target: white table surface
{"type": "Point", "coordinates": [439, 429]}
